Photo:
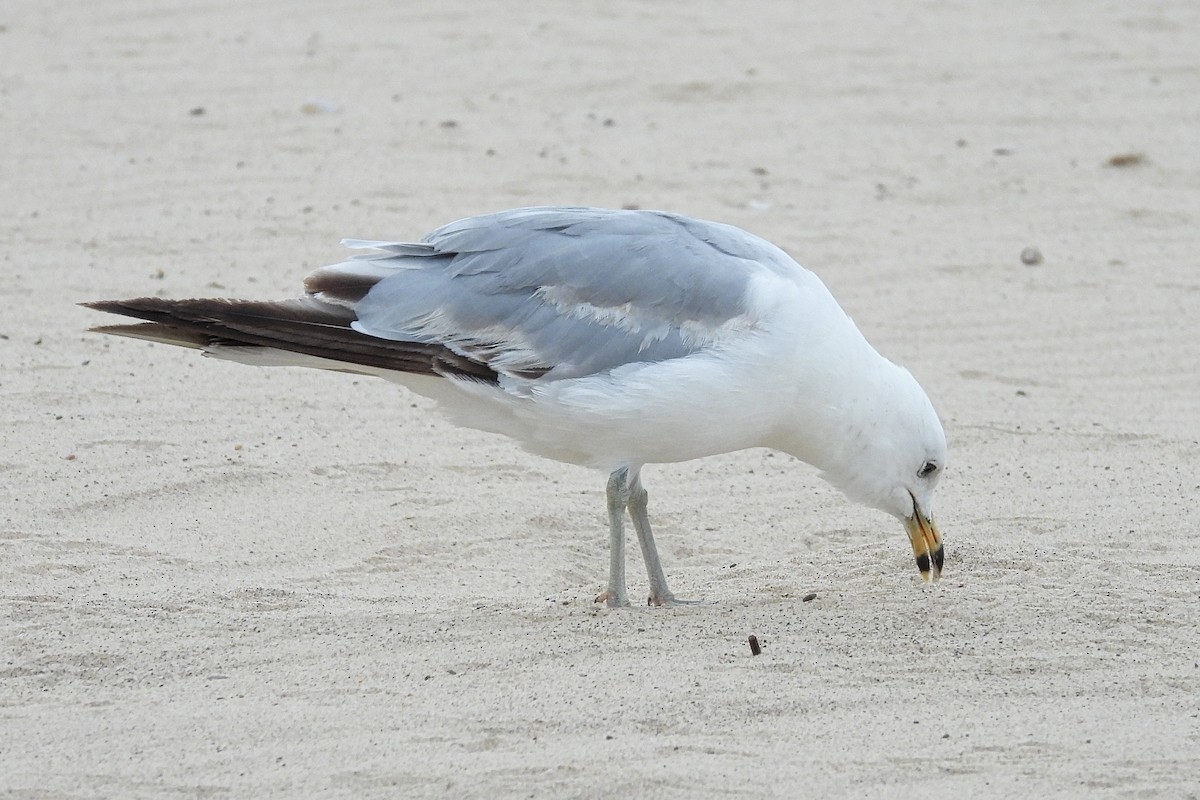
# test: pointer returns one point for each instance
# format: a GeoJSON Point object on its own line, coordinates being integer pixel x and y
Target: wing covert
{"type": "Point", "coordinates": [566, 292]}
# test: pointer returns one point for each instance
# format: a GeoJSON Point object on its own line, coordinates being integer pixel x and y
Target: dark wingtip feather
{"type": "Point", "coordinates": [120, 306]}
{"type": "Point", "coordinates": [308, 325]}
{"type": "Point", "coordinates": [345, 287]}
{"type": "Point", "coordinates": [158, 309]}
{"type": "Point", "coordinates": [111, 306]}
{"type": "Point", "coordinates": [158, 332]}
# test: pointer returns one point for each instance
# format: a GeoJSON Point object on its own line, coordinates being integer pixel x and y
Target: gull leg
{"type": "Point", "coordinates": [617, 494]}
{"type": "Point", "coordinates": [660, 595]}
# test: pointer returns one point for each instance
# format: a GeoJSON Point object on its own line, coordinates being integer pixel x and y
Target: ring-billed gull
{"type": "Point", "coordinates": [606, 338]}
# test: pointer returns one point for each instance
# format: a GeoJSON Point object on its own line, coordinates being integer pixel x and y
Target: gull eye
{"type": "Point", "coordinates": [927, 469]}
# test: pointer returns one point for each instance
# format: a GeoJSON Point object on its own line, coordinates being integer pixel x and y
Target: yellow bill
{"type": "Point", "coordinates": [926, 544]}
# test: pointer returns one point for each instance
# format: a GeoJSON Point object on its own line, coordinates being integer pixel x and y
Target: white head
{"type": "Point", "coordinates": [890, 454]}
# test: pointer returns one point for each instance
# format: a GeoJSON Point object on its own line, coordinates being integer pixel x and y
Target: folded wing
{"type": "Point", "coordinates": [525, 295]}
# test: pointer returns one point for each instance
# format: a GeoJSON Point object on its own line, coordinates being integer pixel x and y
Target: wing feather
{"type": "Point", "coordinates": [566, 292]}
{"type": "Point", "coordinates": [535, 294]}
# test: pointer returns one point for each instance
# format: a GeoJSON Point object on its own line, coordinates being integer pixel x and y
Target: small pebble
{"type": "Point", "coordinates": [808, 598]}
{"type": "Point", "coordinates": [1126, 160]}
{"type": "Point", "coordinates": [1031, 256]}
{"type": "Point", "coordinates": [315, 107]}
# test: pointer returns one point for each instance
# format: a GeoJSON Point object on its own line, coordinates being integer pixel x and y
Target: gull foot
{"type": "Point", "coordinates": [668, 599]}
{"type": "Point", "coordinates": [612, 598]}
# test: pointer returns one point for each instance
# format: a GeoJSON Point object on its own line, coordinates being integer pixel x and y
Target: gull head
{"type": "Point", "coordinates": [890, 455]}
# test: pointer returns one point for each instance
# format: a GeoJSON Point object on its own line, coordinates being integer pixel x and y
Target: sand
{"type": "Point", "coordinates": [226, 582]}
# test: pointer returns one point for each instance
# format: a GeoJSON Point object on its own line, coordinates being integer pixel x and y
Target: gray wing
{"type": "Point", "coordinates": [558, 292]}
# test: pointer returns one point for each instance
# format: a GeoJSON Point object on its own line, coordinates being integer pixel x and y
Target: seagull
{"type": "Point", "coordinates": [610, 339]}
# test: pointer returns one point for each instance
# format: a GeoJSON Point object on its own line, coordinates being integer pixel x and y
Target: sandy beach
{"type": "Point", "coordinates": [220, 581]}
